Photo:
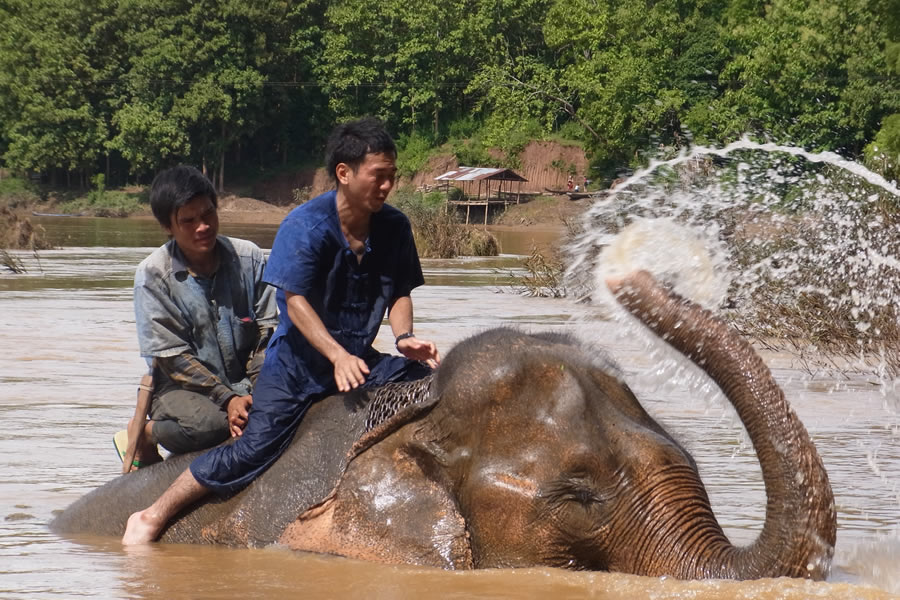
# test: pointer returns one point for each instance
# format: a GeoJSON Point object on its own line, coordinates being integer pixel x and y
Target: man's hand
{"type": "Point", "coordinates": [416, 349]}
{"type": "Point", "coordinates": [238, 411]}
{"type": "Point", "coordinates": [349, 372]}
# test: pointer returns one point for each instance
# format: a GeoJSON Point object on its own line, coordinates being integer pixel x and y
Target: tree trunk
{"type": "Point", "coordinates": [222, 161]}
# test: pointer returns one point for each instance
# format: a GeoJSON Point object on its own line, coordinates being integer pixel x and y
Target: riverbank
{"type": "Point", "coordinates": [539, 213]}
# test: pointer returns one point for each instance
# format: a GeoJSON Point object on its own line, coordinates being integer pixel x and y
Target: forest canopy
{"type": "Point", "coordinates": [126, 87]}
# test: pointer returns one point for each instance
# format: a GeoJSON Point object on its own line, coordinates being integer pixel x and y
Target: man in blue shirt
{"type": "Point", "coordinates": [204, 317]}
{"type": "Point", "coordinates": [339, 262]}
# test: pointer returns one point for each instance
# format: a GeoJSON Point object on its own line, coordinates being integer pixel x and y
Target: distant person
{"type": "Point", "coordinates": [339, 261]}
{"type": "Point", "coordinates": [570, 183]}
{"type": "Point", "coordinates": [204, 317]}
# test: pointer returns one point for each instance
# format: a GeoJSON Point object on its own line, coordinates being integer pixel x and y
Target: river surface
{"type": "Point", "coordinates": [68, 372]}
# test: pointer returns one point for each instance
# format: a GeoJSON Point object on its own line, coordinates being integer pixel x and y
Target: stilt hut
{"type": "Point", "coordinates": [482, 186]}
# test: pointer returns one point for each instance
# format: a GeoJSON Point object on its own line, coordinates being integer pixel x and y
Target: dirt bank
{"type": "Point", "coordinates": [235, 209]}
{"type": "Point", "coordinates": [546, 165]}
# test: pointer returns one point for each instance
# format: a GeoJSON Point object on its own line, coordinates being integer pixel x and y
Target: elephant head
{"type": "Point", "coordinates": [534, 452]}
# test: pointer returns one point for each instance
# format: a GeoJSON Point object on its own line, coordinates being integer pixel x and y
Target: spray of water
{"type": "Point", "coordinates": [797, 249]}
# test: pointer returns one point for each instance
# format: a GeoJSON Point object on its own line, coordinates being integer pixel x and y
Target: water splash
{"type": "Point", "coordinates": [874, 562]}
{"type": "Point", "coordinates": [691, 264]}
{"type": "Point", "coordinates": [806, 242]}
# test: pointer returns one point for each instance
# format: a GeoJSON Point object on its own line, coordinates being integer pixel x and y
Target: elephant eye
{"type": "Point", "coordinates": [577, 489]}
{"type": "Point", "coordinates": [584, 496]}
{"type": "Point", "coordinates": [574, 491]}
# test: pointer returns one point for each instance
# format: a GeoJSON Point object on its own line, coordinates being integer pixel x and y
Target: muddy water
{"type": "Point", "coordinates": [68, 371]}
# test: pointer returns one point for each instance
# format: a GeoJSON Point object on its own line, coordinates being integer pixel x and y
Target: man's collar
{"type": "Point", "coordinates": [179, 261]}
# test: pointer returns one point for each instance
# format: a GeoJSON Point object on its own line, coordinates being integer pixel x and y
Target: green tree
{"type": "Point", "coordinates": [810, 72]}
{"type": "Point", "coordinates": [56, 60]}
{"type": "Point", "coordinates": [195, 84]}
{"type": "Point", "coordinates": [406, 62]}
{"type": "Point", "coordinates": [627, 72]}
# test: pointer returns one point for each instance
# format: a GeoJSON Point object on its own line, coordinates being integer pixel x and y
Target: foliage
{"type": "Point", "coordinates": [883, 154]}
{"type": "Point", "coordinates": [471, 152]}
{"type": "Point", "coordinates": [100, 202]}
{"type": "Point", "coordinates": [131, 86]}
{"type": "Point", "coordinates": [811, 73]}
{"type": "Point", "coordinates": [414, 152]}
{"type": "Point", "coordinates": [438, 232]}
{"type": "Point", "coordinates": [301, 195]}
{"type": "Point", "coordinates": [11, 262]}
{"type": "Point", "coordinates": [195, 83]}
{"type": "Point", "coordinates": [16, 192]}
{"type": "Point", "coordinates": [544, 275]}
{"type": "Point", "coordinates": [54, 108]}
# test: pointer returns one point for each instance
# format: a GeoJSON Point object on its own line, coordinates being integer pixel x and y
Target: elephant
{"type": "Point", "coordinates": [522, 449]}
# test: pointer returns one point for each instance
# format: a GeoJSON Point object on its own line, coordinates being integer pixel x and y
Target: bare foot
{"type": "Point", "coordinates": [141, 529]}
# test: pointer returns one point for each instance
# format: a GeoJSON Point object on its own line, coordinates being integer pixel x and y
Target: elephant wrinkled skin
{"type": "Point", "coordinates": [527, 450]}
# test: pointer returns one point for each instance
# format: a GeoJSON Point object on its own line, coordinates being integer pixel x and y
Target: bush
{"type": "Point", "coordinates": [883, 154]}
{"type": "Point", "coordinates": [471, 152]}
{"type": "Point", "coordinates": [18, 232]}
{"type": "Point", "coordinates": [570, 130]}
{"type": "Point", "coordinates": [17, 193]}
{"type": "Point", "coordinates": [414, 151]}
{"type": "Point", "coordinates": [464, 127]}
{"type": "Point", "coordinates": [101, 202]}
{"type": "Point", "coordinates": [438, 232]}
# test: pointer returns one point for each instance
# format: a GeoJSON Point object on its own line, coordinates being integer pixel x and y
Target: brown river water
{"type": "Point", "coordinates": [68, 372]}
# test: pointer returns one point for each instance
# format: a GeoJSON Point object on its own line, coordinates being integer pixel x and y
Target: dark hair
{"type": "Point", "coordinates": [173, 188]}
{"type": "Point", "coordinates": [350, 142]}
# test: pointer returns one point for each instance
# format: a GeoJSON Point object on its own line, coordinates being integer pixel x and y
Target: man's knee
{"type": "Point", "coordinates": [186, 421]}
{"type": "Point", "coordinates": [180, 438]}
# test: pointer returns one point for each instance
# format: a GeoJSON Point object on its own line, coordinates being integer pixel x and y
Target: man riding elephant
{"type": "Point", "coordinates": [340, 262]}
{"type": "Point", "coordinates": [204, 317]}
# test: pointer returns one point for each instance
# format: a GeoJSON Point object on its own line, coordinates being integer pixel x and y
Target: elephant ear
{"type": "Point", "coordinates": [390, 506]}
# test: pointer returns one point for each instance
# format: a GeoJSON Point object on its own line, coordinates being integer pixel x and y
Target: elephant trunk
{"type": "Point", "coordinates": [798, 536]}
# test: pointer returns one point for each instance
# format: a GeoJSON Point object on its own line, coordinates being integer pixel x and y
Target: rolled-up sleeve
{"type": "Point", "coordinates": [161, 328]}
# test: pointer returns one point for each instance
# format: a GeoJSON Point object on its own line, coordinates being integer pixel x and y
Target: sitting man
{"type": "Point", "coordinates": [204, 317]}
{"type": "Point", "coordinates": [340, 262]}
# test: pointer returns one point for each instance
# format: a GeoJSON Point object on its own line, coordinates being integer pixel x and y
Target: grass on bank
{"type": "Point", "coordinates": [101, 202]}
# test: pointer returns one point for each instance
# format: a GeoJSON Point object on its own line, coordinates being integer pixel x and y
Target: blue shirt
{"type": "Point", "coordinates": [312, 258]}
{"type": "Point", "coordinates": [216, 320]}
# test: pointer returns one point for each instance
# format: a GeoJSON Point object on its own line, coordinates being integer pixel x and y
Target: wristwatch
{"type": "Point", "coordinates": [402, 336]}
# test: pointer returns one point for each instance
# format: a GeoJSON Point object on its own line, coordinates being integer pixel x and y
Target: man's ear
{"type": "Point", "coordinates": [342, 171]}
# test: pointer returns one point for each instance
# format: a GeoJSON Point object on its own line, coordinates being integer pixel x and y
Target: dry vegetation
{"type": "Point", "coordinates": [17, 233]}
{"type": "Point", "coordinates": [438, 231]}
{"type": "Point", "coordinates": [824, 319]}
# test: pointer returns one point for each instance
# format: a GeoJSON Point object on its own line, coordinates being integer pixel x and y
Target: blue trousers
{"type": "Point", "coordinates": [278, 407]}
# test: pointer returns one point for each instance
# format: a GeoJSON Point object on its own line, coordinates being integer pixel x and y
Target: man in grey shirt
{"type": "Point", "coordinates": [204, 317]}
